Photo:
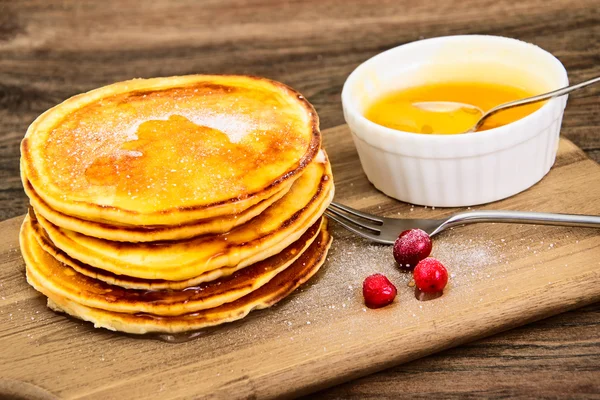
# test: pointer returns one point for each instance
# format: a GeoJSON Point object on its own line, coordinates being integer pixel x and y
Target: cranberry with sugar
{"type": "Point", "coordinates": [378, 291]}
{"type": "Point", "coordinates": [430, 275]}
{"type": "Point", "coordinates": [411, 247]}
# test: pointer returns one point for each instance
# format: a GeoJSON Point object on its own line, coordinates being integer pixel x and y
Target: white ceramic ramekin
{"type": "Point", "coordinates": [456, 170]}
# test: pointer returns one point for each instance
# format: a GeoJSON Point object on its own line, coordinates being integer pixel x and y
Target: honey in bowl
{"type": "Point", "coordinates": [396, 110]}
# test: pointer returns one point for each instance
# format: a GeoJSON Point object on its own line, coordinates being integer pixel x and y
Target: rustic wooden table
{"type": "Point", "coordinates": [50, 50]}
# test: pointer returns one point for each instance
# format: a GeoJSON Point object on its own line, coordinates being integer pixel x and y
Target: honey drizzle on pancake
{"type": "Point", "coordinates": [184, 147]}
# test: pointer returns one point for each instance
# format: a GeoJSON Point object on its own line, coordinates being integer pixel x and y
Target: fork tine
{"type": "Point", "coordinates": [351, 228]}
{"type": "Point", "coordinates": [349, 218]}
{"type": "Point", "coordinates": [356, 212]}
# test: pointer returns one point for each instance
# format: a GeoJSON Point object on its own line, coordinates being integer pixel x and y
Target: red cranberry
{"type": "Point", "coordinates": [411, 247]}
{"type": "Point", "coordinates": [430, 276]}
{"type": "Point", "coordinates": [378, 291]}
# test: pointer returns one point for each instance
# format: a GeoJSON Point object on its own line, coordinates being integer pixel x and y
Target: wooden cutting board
{"type": "Point", "coordinates": [502, 276]}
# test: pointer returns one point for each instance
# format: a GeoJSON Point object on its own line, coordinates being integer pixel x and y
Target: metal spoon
{"type": "Point", "coordinates": [449, 106]}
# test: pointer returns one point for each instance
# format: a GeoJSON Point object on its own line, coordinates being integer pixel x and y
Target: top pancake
{"type": "Point", "coordinates": [166, 151]}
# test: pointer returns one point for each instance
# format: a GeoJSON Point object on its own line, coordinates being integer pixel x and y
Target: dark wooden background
{"type": "Point", "coordinates": [51, 49]}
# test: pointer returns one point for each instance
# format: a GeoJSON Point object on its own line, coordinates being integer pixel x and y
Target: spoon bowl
{"type": "Point", "coordinates": [449, 106]}
{"type": "Point", "coordinates": [459, 116]}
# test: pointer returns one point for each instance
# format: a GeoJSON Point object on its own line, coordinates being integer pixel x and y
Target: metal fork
{"type": "Point", "coordinates": [386, 230]}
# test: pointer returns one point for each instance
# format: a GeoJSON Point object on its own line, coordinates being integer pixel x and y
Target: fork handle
{"type": "Point", "coordinates": [520, 217]}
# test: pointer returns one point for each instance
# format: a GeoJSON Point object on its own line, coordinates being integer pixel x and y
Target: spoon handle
{"type": "Point", "coordinates": [535, 99]}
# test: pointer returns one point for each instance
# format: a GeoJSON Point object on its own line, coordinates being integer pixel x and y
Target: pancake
{"type": "Point", "coordinates": [36, 231]}
{"type": "Point", "coordinates": [276, 289]}
{"type": "Point", "coordinates": [267, 234]}
{"type": "Point", "coordinates": [62, 280]}
{"type": "Point", "coordinates": [168, 151]}
{"type": "Point", "coordinates": [132, 233]}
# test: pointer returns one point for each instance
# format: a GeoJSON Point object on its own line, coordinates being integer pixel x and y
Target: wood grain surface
{"type": "Point", "coordinates": [502, 276]}
{"type": "Point", "coordinates": [51, 49]}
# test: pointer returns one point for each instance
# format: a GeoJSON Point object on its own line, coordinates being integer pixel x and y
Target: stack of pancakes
{"type": "Point", "coordinates": [173, 204]}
